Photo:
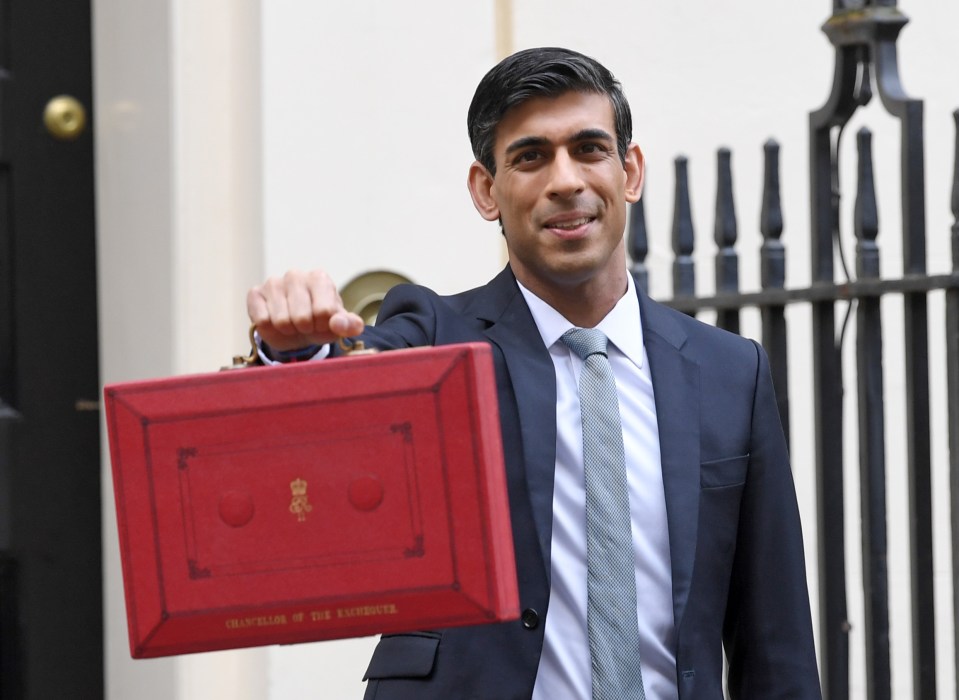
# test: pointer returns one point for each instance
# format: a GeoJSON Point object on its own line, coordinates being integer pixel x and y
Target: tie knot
{"type": "Point", "coordinates": [585, 341]}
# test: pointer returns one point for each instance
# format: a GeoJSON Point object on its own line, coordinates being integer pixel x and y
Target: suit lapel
{"type": "Point", "coordinates": [533, 379]}
{"type": "Point", "coordinates": [510, 328]}
{"type": "Point", "coordinates": [676, 388]}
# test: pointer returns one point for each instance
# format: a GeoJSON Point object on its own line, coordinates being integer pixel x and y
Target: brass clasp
{"type": "Point", "coordinates": [250, 360]}
{"type": "Point", "coordinates": [355, 347]}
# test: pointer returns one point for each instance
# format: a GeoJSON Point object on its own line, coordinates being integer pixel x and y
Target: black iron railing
{"type": "Point", "coordinates": [864, 36]}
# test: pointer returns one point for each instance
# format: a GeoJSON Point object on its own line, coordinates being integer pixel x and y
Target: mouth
{"type": "Point", "coordinates": [569, 227]}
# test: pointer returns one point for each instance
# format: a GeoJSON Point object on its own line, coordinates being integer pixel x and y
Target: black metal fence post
{"type": "Point", "coordinates": [725, 233]}
{"type": "Point", "coordinates": [883, 30]}
{"type": "Point", "coordinates": [684, 279]}
{"type": "Point", "coordinates": [773, 276]}
{"type": "Point", "coordinates": [872, 451]}
{"type": "Point", "coordinates": [827, 379]}
{"type": "Point", "coordinates": [637, 244]}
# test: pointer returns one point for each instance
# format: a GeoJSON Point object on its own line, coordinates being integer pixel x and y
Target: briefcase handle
{"type": "Point", "coordinates": [349, 346]}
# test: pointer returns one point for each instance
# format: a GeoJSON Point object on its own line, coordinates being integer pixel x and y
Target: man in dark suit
{"type": "Point", "coordinates": [717, 547]}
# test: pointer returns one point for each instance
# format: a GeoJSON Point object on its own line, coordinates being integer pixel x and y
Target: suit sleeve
{"type": "Point", "coordinates": [406, 319]}
{"type": "Point", "coordinates": [768, 628]}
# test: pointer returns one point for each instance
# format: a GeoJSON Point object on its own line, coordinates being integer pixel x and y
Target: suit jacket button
{"type": "Point", "coordinates": [530, 619]}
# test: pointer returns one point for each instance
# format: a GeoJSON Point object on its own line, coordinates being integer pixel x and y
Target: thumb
{"type": "Point", "coordinates": [346, 323]}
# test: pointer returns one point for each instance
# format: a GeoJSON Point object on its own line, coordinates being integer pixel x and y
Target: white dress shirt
{"type": "Point", "coordinates": [564, 669]}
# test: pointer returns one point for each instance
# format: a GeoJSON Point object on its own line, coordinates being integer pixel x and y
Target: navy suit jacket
{"type": "Point", "coordinates": [734, 534]}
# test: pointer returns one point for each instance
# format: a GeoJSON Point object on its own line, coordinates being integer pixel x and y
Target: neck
{"type": "Point", "coordinates": [585, 304]}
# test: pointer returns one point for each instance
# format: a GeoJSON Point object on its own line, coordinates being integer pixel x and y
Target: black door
{"type": "Point", "coordinates": [51, 630]}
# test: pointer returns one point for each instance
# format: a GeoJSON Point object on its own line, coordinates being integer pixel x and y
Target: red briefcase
{"type": "Point", "coordinates": [328, 499]}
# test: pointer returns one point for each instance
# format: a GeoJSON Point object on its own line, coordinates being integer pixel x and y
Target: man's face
{"type": "Point", "coordinates": [561, 190]}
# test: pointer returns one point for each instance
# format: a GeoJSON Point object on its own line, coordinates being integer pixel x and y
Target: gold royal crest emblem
{"type": "Point", "coordinates": [300, 505]}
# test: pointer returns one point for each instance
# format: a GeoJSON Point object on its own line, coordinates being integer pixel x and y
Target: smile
{"type": "Point", "coordinates": [570, 225]}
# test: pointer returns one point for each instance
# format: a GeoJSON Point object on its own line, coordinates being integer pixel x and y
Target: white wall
{"type": "Point", "coordinates": [237, 139]}
{"type": "Point", "coordinates": [364, 138]}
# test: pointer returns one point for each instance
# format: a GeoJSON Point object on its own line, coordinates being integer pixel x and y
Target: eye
{"type": "Point", "coordinates": [530, 159]}
{"type": "Point", "coordinates": [527, 157]}
{"type": "Point", "coordinates": [593, 148]}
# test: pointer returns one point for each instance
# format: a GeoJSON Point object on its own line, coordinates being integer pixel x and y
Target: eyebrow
{"type": "Point", "coordinates": [582, 135]}
{"type": "Point", "coordinates": [592, 135]}
{"type": "Point", "coordinates": [526, 142]}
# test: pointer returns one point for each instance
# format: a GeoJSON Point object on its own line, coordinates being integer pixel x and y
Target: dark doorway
{"type": "Point", "coordinates": [51, 629]}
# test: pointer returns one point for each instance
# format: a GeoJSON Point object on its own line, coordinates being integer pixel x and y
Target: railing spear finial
{"type": "Point", "coordinates": [684, 283]}
{"type": "Point", "coordinates": [637, 244]}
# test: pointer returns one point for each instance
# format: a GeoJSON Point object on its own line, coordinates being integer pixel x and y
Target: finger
{"type": "Point", "coordinates": [299, 304]}
{"type": "Point", "coordinates": [256, 307]}
{"type": "Point", "coordinates": [274, 291]}
{"type": "Point", "coordinates": [324, 298]}
{"type": "Point", "coordinates": [260, 309]}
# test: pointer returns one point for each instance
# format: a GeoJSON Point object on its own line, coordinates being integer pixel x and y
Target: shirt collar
{"type": "Point", "coordinates": [621, 325]}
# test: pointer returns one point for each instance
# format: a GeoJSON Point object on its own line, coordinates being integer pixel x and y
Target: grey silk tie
{"type": "Point", "coordinates": [611, 583]}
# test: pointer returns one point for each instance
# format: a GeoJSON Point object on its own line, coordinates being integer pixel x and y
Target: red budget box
{"type": "Point", "coordinates": [329, 499]}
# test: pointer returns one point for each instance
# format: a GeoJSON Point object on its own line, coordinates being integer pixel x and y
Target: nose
{"type": "Point", "coordinates": [565, 177]}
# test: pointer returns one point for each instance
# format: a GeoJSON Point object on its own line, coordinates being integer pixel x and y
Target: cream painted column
{"type": "Point", "coordinates": [135, 260]}
{"type": "Point", "coordinates": [179, 236]}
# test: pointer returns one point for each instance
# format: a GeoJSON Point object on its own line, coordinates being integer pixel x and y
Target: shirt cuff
{"type": "Point", "coordinates": [269, 356]}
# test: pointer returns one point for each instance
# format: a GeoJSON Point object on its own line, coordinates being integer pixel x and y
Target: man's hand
{"type": "Point", "coordinates": [300, 309]}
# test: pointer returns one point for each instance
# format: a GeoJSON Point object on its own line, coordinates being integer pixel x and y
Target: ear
{"type": "Point", "coordinates": [480, 183]}
{"type": "Point", "coordinates": [635, 167]}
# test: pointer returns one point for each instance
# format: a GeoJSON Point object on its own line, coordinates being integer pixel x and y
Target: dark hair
{"type": "Point", "coordinates": [543, 72]}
